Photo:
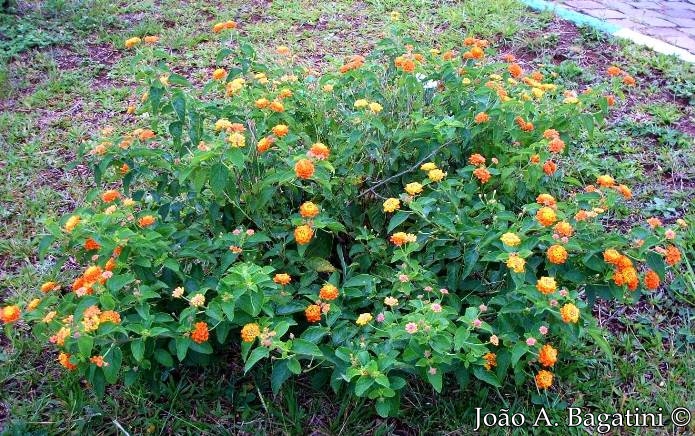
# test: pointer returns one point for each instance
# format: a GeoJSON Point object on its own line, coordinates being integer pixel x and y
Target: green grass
{"type": "Point", "coordinates": [63, 76]}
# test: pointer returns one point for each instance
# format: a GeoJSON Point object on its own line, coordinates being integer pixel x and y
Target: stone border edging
{"type": "Point", "coordinates": [612, 29]}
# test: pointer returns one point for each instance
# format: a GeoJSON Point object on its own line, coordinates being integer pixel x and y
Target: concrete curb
{"type": "Point", "coordinates": [612, 29]}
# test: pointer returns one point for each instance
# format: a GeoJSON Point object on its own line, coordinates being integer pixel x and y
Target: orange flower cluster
{"type": "Point", "coordinates": [353, 63]}
{"type": "Point", "coordinates": [476, 50]}
{"type": "Point", "coordinates": [482, 174]}
{"type": "Point", "coordinates": [308, 210]}
{"type": "Point", "coordinates": [407, 62]}
{"type": "Point", "coordinates": [303, 234]}
{"type": "Point", "coordinates": [490, 361]}
{"type": "Point", "coordinates": [64, 359]}
{"type": "Point", "coordinates": [84, 284]}
{"type": "Point", "coordinates": [313, 313]}
{"type": "Point", "coordinates": [547, 355]}
{"type": "Point", "coordinates": [200, 332]}
{"type": "Point", "coordinates": [400, 238]}
{"type": "Point", "coordinates": [217, 28]}
{"type": "Point", "coordinates": [9, 314]}
{"type": "Point", "coordinates": [250, 332]}
{"type": "Point", "coordinates": [614, 71]}
{"type": "Point", "coordinates": [328, 292]}
{"type": "Point", "coordinates": [651, 280]}
{"type": "Point", "coordinates": [282, 279]}
{"type": "Point", "coordinates": [625, 273]}
{"type": "Point", "coordinates": [546, 216]}
{"type": "Point", "coordinates": [304, 169]}
{"type": "Point", "coordinates": [557, 254]}
{"type": "Point", "coordinates": [523, 124]}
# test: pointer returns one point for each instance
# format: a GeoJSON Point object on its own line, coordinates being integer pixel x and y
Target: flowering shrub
{"type": "Point", "coordinates": [402, 215]}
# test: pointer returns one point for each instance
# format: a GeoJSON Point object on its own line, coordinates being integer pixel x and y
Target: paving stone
{"type": "Point", "coordinates": [665, 32]}
{"type": "Point", "coordinates": [689, 30]}
{"type": "Point", "coordinates": [604, 13]}
{"type": "Point", "coordinates": [679, 13]}
{"type": "Point", "coordinates": [624, 8]}
{"type": "Point", "coordinates": [645, 5]}
{"type": "Point", "coordinates": [584, 4]}
{"type": "Point", "coordinates": [683, 22]}
{"type": "Point", "coordinates": [683, 42]}
{"type": "Point", "coordinates": [624, 22]}
{"type": "Point", "coordinates": [653, 20]}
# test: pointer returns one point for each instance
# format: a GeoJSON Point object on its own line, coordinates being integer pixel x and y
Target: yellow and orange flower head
{"type": "Point", "coordinates": [151, 39]}
{"type": "Point", "coordinates": [546, 285]}
{"type": "Point", "coordinates": [651, 280]}
{"type": "Point", "coordinates": [630, 278]}
{"type": "Point", "coordinates": [547, 356]}
{"type": "Point", "coordinates": [549, 167]}
{"type": "Point", "coordinates": [282, 279]}
{"type": "Point", "coordinates": [481, 117]}
{"type": "Point", "coordinates": [200, 332]}
{"type": "Point", "coordinates": [546, 200]}
{"type": "Point", "coordinates": [476, 159]}
{"type": "Point", "coordinates": [391, 205]}
{"type": "Point", "coordinates": [303, 234]}
{"type": "Point", "coordinates": [482, 174]}
{"type": "Point", "coordinates": [490, 361]}
{"type": "Point", "coordinates": [328, 292]}
{"type": "Point", "coordinates": [546, 216]}
{"type": "Point", "coordinates": [654, 222]}
{"type": "Point", "coordinates": [436, 175]}
{"type": "Point", "coordinates": [71, 223]}
{"type": "Point", "coordinates": [265, 143]}
{"type": "Point", "coordinates": [535, 159]}
{"type": "Point", "coordinates": [49, 286]}
{"type": "Point", "coordinates": [110, 195]}
{"type": "Point", "coordinates": [569, 313]}
{"type": "Point", "coordinates": [308, 210]}
{"type": "Point", "coordinates": [262, 103]}
{"type": "Point", "coordinates": [611, 256]}
{"type": "Point", "coordinates": [10, 314]}
{"type": "Point", "coordinates": [625, 191]}
{"type": "Point", "coordinates": [614, 71]}
{"type": "Point", "coordinates": [276, 106]}
{"type": "Point", "coordinates": [110, 316]}
{"type": "Point", "coordinates": [544, 379]}
{"type": "Point", "coordinates": [551, 134]}
{"type": "Point", "coordinates": [64, 359]}
{"type": "Point", "coordinates": [400, 238]}
{"type": "Point", "coordinates": [304, 169]}
{"type": "Point", "coordinates": [557, 254]}
{"type": "Point", "coordinates": [556, 145]}
{"type": "Point", "coordinates": [563, 228]}
{"type": "Point", "coordinates": [516, 263]}
{"type": "Point", "coordinates": [219, 74]}
{"type": "Point", "coordinates": [98, 361]}
{"type": "Point", "coordinates": [428, 166]}
{"type": "Point", "coordinates": [629, 80]}
{"type": "Point", "coordinates": [364, 319]}
{"type": "Point", "coordinates": [281, 130]}
{"type": "Point", "coordinates": [250, 332]}
{"type": "Point", "coordinates": [92, 274]}
{"type": "Point", "coordinates": [146, 221]}
{"type": "Point", "coordinates": [605, 181]}
{"type": "Point", "coordinates": [319, 151]}
{"type": "Point", "coordinates": [515, 70]}
{"type": "Point", "coordinates": [90, 244]}
{"type": "Point", "coordinates": [413, 188]}
{"type": "Point", "coordinates": [132, 42]}
{"type": "Point", "coordinates": [313, 313]}
{"type": "Point", "coordinates": [510, 239]}
{"type": "Point", "coordinates": [226, 25]}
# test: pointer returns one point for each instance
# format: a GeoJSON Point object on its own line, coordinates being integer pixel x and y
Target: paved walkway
{"type": "Point", "coordinates": [667, 20]}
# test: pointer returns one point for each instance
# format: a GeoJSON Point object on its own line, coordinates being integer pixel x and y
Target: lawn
{"type": "Point", "coordinates": [64, 75]}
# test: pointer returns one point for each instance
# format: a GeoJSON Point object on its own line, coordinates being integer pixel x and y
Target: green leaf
{"type": "Point", "coordinates": [302, 346]}
{"type": "Point", "coordinates": [281, 373]}
{"type": "Point", "coordinates": [294, 366]}
{"type": "Point", "coordinates": [518, 350]}
{"type": "Point", "coordinates": [362, 385]}
{"type": "Point", "coordinates": [137, 347]}
{"type": "Point", "coordinates": [236, 157]}
{"type": "Point", "coordinates": [219, 175]}
{"type": "Point", "coordinates": [435, 380]}
{"type": "Point", "coordinates": [486, 376]}
{"type": "Point", "coordinates": [397, 220]}
{"type": "Point", "coordinates": [116, 283]}
{"type": "Point", "coordinates": [314, 333]}
{"type": "Point", "coordinates": [114, 359]}
{"type": "Point", "coordinates": [163, 357]}
{"type": "Point", "coordinates": [256, 355]}
{"type": "Point", "coordinates": [182, 345]}
{"type": "Point", "coordinates": [85, 344]}
{"type": "Point", "coordinates": [656, 262]}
